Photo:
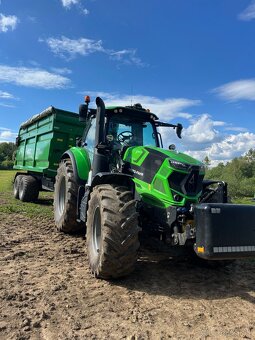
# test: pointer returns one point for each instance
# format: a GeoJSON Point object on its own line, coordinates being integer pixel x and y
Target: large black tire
{"type": "Point", "coordinates": [65, 199]}
{"type": "Point", "coordinates": [112, 231]}
{"type": "Point", "coordinates": [16, 186]}
{"type": "Point", "coordinates": [28, 189]}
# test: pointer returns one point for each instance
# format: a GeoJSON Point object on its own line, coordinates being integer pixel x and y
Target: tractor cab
{"type": "Point", "coordinates": [112, 130]}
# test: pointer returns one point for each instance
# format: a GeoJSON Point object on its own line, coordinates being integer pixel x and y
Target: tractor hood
{"type": "Point", "coordinates": [146, 162]}
{"type": "Point", "coordinates": [177, 156]}
{"type": "Point", "coordinates": [164, 176]}
{"type": "Point", "coordinates": [138, 154]}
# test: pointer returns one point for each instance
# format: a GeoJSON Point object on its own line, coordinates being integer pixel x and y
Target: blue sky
{"type": "Point", "coordinates": [189, 61]}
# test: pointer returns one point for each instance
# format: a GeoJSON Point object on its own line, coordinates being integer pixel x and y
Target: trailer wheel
{"type": "Point", "coordinates": [65, 199]}
{"type": "Point", "coordinates": [16, 186]}
{"type": "Point", "coordinates": [28, 189]}
{"type": "Point", "coordinates": [112, 231]}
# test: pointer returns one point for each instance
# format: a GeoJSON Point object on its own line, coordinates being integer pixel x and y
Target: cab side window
{"type": "Point", "coordinates": [90, 139]}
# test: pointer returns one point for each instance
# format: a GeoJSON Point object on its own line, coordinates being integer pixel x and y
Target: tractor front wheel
{"type": "Point", "coordinates": [112, 231]}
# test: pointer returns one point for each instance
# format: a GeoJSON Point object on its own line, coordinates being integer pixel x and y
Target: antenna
{"type": "Point", "coordinates": [132, 92]}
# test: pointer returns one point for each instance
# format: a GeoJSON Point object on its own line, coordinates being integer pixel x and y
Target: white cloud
{"type": "Point", "coordinates": [236, 128]}
{"type": "Point", "coordinates": [72, 48]}
{"type": "Point", "coordinates": [201, 139]}
{"type": "Point", "coordinates": [8, 22]}
{"type": "Point", "coordinates": [230, 147]}
{"type": "Point", "coordinates": [69, 3]}
{"type": "Point", "coordinates": [249, 12]}
{"type": "Point", "coordinates": [127, 56]}
{"type": "Point", "coordinates": [85, 11]}
{"type": "Point", "coordinates": [32, 77]}
{"type": "Point", "coordinates": [7, 135]}
{"type": "Point", "coordinates": [6, 105]}
{"type": "Point", "coordinates": [166, 109]}
{"type": "Point", "coordinates": [63, 70]}
{"type": "Point", "coordinates": [6, 95]}
{"type": "Point", "coordinates": [201, 133]}
{"type": "Point", "coordinates": [237, 90]}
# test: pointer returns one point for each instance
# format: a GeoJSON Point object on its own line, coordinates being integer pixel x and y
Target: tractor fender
{"type": "Point", "coordinates": [80, 162]}
{"type": "Point", "coordinates": [113, 178]}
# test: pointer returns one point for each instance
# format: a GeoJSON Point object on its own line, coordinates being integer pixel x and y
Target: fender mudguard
{"type": "Point", "coordinates": [113, 178]}
{"type": "Point", "coordinates": [81, 163]}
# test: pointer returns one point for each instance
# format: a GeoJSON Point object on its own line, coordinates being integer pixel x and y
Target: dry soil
{"type": "Point", "coordinates": [47, 292]}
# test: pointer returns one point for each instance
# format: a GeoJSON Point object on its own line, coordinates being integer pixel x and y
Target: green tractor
{"type": "Point", "coordinates": [127, 190]}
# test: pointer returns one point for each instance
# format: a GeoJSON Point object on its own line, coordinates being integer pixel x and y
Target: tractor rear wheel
{"type": "Point", "coordinates": [28, 188]}
{"type": "Point", "coordinates": [65, 199]}
{"type": "Point", "coordinates": [112, 231]}
{"type": "Point", "coordinates": [16, 186]}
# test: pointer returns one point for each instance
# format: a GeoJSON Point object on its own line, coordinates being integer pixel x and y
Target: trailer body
{"type": "Point", "coordinates": [43, 139]}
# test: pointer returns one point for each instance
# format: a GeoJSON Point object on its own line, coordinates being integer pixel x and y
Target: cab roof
{"type": "Point", "coordinates": [136, 109]}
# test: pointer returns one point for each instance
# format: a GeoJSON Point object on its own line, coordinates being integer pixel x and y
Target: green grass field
{"type": "Point", "coordinates": [8, 204]}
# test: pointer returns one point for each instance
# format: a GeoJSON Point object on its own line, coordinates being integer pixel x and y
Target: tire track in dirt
{"type": "Point", "coordinates": [47, 292]}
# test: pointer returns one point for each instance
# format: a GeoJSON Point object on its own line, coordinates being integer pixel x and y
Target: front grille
{"type": "Point", "coordinates": [175, 180]}
{"type": "Point", "coordinates": [189, 184]}
{"type": "Point", "coordinates": [193, 183]}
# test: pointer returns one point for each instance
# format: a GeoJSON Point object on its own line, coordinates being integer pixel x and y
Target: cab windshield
{"type": "Point", "coordinates": [131, 132]}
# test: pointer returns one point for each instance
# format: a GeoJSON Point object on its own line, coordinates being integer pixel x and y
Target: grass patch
{"type": "Point", "coordinates": [244, 200]}
{"type": "Point", "coordinates": [6, 180]}
{"type": "Point", "coordinates": [9, 205]}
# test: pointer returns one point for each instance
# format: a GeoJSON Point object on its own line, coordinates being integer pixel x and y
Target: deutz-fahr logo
{"type": "Point", "coordinates": [192, 180]}
{"type": "Point", "coordinates": [136, 172]}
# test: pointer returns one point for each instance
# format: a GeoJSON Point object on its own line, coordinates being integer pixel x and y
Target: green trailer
{"type": "Point", "coordinates": [41, 142]}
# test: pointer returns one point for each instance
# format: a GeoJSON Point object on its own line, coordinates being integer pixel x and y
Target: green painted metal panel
{"type": "Point", "coordinates": [82, 160]}
{"type": "Point", "coordinates": [44, 138]}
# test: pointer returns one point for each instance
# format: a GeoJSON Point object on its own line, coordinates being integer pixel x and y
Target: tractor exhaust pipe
{"type": "Point", "coordinates": [99, 137]}
{"type": "Point", "coordinates": [100, 160]}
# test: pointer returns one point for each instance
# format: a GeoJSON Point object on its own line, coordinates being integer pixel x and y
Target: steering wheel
{"type": "Point", "coordinates": [124, 135]}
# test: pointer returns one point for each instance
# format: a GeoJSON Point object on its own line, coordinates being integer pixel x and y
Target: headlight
{"type": "Point", "coordinates": [179, 165]}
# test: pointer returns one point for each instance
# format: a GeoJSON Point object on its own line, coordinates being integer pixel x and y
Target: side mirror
{"type": "Point", "coordinates": [83, 112]}
{"type": "Point", "coordinates": [172, 147]}
{"type": "Point", "coordinates": [179, 130]}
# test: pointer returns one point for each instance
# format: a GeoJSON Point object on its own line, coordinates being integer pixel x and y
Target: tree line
{"type": "Point", "coordinates": [238, 173]}
{"type": "Point", "coordinates": [7, 154]}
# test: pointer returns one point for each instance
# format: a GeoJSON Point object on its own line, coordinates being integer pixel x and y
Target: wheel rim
{"type": "Point", "coordinates": [62, 196]}
{"type": "Point", "coordinates": [16, 186]}
{"type": "Point", "coordinates": [96, 232]}
{"type": "Point", "coordinates": [21, 188]}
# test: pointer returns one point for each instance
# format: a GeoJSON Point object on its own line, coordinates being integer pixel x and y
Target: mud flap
{"type": "Point", "coordinates": [224, 231]}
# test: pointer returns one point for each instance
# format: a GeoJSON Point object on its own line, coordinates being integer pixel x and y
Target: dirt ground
{"type": "Point", "coordinates": [47, 292]}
